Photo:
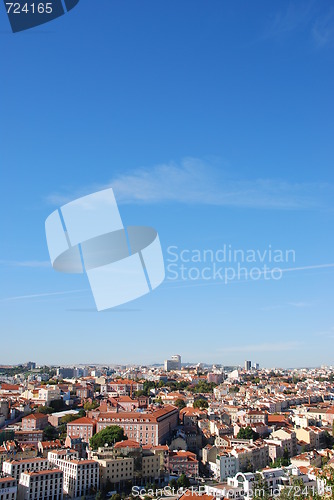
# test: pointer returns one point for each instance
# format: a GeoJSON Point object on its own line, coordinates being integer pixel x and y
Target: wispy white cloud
{"type": "Point", "coordinates": [326, 333]}
{"type": "Point", "coordinates": [323, 29]}
{"type": "Point", "coordinates": [25, 263]}
{"type": "Point", "coordinates": [265, 347]}
{"type": "Point", "coordinates": [40, 295]}
{"type": "Point", "coordinates": [301, 304]}
{"type": "Point", "coordinates": [194, 181]}
{"type": "Point", "coordinates": [288, 19]}
{"type": "Point", "coordinates": [311, 17]}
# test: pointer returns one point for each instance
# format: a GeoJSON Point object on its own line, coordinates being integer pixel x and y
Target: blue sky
{"type": "Point", "coordinates": [213, 123]}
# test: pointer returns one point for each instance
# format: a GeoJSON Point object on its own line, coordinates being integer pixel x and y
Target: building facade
{"type": "Point", "coordinates": [147, 428]}
{"type": "Point", "coordinates": [45, 484]}
{"type": "Point", "coordinates": [8, 488]}
{"type": "Point", "coordinates": [81, 477]}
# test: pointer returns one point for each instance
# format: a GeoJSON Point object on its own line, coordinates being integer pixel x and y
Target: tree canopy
{"type": "Point", "coordinates": [247, 433]}
{"type": "Point", "coordinates": [110, 435]}
{"type": "Point", "coordinates": [180, 404]}
{"type": "Point", "coordinates": [200, 403]}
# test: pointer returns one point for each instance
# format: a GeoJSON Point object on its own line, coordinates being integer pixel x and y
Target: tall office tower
{"type": "Point", "coordinates": [248, 365]}
{"type": "Point", "coordinates": [174, 363]}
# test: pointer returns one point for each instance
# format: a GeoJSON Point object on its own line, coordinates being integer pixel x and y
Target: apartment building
{"type": "Point", "coordinates": [122, 387]}
{"type": "Point", "coordinates": [83, 428]}
{"type": "Point", "coordinates": [81, 477]}
{"type": "Point", "coordinates": [29, 437]}
{"type": "Point", "coordinates": [152, 428]}
{"type": "Point", "coordinates": [311, 458]}
{"type": "Point", "coordinates": [183, 462]}
{"type": "Point", "coordinates": [10, 449]}
{"type": "Point", "coordinates": [312, 435]}
{"type": "Point", "coordinates": [48, 394]}
{"type": "Point", "coordinates": [288, 438]}
{"type": "Point", "coordinates": [44, 484]}
{"type": "Point", "coordinates": [150, 466]}
{"type": "Point", "coordinates": [34, 422]}
{"type": "Point", "coordinates": [14, 468]}
{"type": "Point", "coordinates": [252, 456]}
{"type": "Point", "coordinates": [115, 470]}
{"type": "Point", "coordinates": [228, 465]}
{"type": "Point", "coordinates": [8, 488]}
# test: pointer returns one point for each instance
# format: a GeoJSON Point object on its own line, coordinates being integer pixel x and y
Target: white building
{"type": "Point", "coordinates": [81, 477]}
{"type": "Point", "coordinates": [174, 363]}
{"type": "Point", "coordinates": [8, 488]}
{"type": "Point", "coordinates": [228, 465]}
{"type": "Point", "coordinates": [44, 484]}
{"type": "Point", "coordinates": [49, 393]}
{"type": "Point", "coordinates": [14, 468]}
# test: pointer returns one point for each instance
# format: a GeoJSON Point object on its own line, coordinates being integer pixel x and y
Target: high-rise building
{"type": "Point", "coordinates": [248, 365]}
{"type": "Point", "coordinates": [174, 363]}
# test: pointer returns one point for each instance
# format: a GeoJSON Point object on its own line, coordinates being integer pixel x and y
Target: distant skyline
{"type": "Point", "coordinates": [213, 124]}
{"type": "Point", "coordinates": [184, 364]}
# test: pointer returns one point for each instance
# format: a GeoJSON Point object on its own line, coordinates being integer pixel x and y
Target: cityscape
{"type": "Point", "coordinates": [168, 430]}
{"type": "Point", "coordinates": [166, 251]}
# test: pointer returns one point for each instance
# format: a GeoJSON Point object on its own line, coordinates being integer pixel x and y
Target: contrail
{"type": "Point", "coordinates": [49, 294]}
{"type": "Point", "coordinates": [38, 295]}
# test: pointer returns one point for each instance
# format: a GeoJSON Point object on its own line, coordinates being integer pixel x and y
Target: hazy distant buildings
{"type": "Point", "coordinates": [65, 372]}
{"type": "Point", "coordinates": [248, 365]}
{"type": "Point", "coordinates": [173, 364]}
{"type": "Point", "coordinates": [215, 378]}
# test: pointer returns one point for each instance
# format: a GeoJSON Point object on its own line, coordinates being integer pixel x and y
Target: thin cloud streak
{"type": "Point", "coordinates": [194, 181]}
{"type": "Point", "coordinates": [39, 295]}
{"type": "Point", "coordinates": [25, 263]}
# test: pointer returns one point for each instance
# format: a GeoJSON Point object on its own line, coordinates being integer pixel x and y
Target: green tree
{"type": "Point", "coordinates": [50, 433]}
{"type": "Point", "coordinates": [289, 493]}
{"type": "Point", "coordinates": [99, 496]}
{"type": "Point", "coordinates": [109, 435]}
{"type": "Point", "coordinates": [66, 419]}
{"type": "Point", "coordinates": [45, 409]}
{"type": "Point", "coordinates": [183, 481]}
{"type": "Point", "coordinates": [58, 404]}
{"type": "Point", "coordinates": [147, 386]}
{"type": "Point", "coordinates": [91, 406]}
{"type": "Point", "coordinates": [286, 458]}
{"type": "Point", "coordinates": [203, 387]}
{"type": "Point", "coordinates": [247, 433]}
{"type": "Point", "coordinates": [173, 483]}
{"type": "Point", "coordinates": [200, 403]}
{"type": "Point", "coordinates": [180, 404]}
{"type": "Point", "coordinates": [260, 489]}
